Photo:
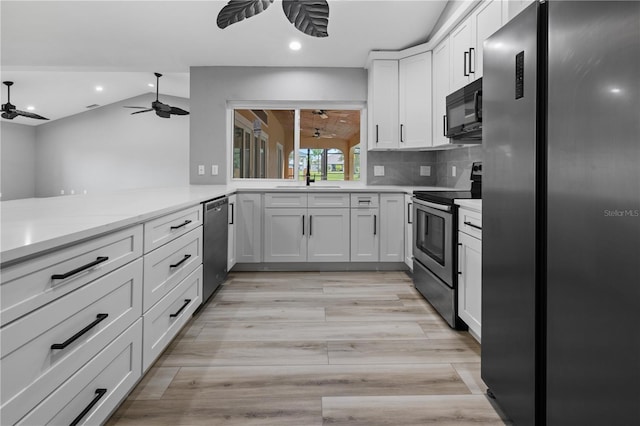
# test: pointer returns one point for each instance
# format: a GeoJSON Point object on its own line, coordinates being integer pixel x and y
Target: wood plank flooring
{"type": "Point", "coordinates": [314, 348]}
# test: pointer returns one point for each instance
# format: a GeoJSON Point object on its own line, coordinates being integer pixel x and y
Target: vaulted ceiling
{"type": "Point", "coordinates": [56, 52]}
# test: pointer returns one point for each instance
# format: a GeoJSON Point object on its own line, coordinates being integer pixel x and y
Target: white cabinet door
{"type": "Point", "coordinates": [231, 247]}
{"type": "Point", "coordinates": [415, 101]}
{"type": "Point", "coordinates": [486, 20]}
{"type": "Point", "coordinates": [441, 88]}
{"type": "Point", "coordinates": [408, 231]}
{"type": "Point", "coordinates": [470, 282]}
{"type": "Point", "coordinates": [328, 239]}
{"type": "Point", "coordinates": [285, 238]}
{"type": "Point", "coordinates": [391, 227]}
{"type": "Point", "coordinates": [364, 235]}
{"type": "Point", "coordinates": [460, 41]}
{"type": "Point", "coordinates": [249, 228]}
{"type": "Point", "coordinates": [383, 104]}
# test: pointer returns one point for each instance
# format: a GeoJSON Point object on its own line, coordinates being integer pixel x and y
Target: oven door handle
{"type": "Point", "coordinates": [442, 207]}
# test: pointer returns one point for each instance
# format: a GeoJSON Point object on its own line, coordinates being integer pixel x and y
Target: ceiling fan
{"type": "Point", "coordinates": [317, 135]}
{"type": "Point", "coordinates": [161, 109]}
{"type": "Point", "coordinates": [321, 113]}
{"type": "Point", "coordinates": [9, 110]}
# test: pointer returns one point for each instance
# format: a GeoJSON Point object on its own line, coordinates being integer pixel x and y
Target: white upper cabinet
{"type": "Point", "coordinates": [466, 42]}
{"type": "Point", "coordinates": [383, 104]}
{"type": "Point", "coordinates": [400, 103]}
{"type": "Point", "coordinates": [441, 88]}
{"type": "Point", "coordinates": [415, 101]}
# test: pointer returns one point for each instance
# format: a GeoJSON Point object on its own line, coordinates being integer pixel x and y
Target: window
{"type": "Point", "coordinates": [283, 143]}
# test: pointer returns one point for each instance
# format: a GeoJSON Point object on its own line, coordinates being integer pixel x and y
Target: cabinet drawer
{"type": "Point", "coordinates": [31, 368]}
{"type": "Point", "coordinates": [328, 200]}
{"type": "Point", "coordinates": [285, 199]}
{"type": "Point", "coordinates": [166, 318]}
{"type": "Point", "coordinates": [470, 222]}
{"type": "Point", "coordinates": [115, 370]}
{"type": "Point", "coordinates": [165, 267]}
{"type": "Point", "coordinates": [28, 285]}
{"type": "Point", "coordinates": [364, 200]}
{"type": "Point", "coordinates": [166, 228]}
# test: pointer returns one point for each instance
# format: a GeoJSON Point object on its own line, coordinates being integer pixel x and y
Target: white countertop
{"type": "Point", "coordinates": [34, 225]}
{"type": "Point", "coordinates": [474, 204]}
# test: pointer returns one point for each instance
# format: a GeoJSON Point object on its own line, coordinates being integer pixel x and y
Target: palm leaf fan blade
{"type": "Point", "coordinates": [309, 16]}
{"type": "Point", "coordinates": [238, 10]}
{"type": "Point", "coordinates": [30, 115]}
{"type": "Point", "coordinates": [178, 111]}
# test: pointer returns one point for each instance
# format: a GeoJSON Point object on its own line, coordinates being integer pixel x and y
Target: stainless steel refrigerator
{"type": "Point", "coordinates": [561, 214]}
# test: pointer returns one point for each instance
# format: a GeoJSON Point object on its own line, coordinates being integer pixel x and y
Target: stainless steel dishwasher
{"type": "Point", "coordinates": [216, 231]}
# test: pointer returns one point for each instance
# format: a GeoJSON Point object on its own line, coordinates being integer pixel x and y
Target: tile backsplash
{"type": "Point", "coordinates": [403, 167]}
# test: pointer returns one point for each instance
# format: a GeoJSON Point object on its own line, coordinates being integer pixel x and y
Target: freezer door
{"type": "Point", "coordinates": [593, 284]}
{"type": "Point", "coordinates": [509, 289]}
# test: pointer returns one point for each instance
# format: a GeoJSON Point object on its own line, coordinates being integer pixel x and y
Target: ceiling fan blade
{"type": "Point", "coordinates": [145, 110]}
{"type": "Point", "coordinates": [29, 115]}
{"type": "Point", "coordinates": [9, 115]}
{"type": "Point", "coordinates": [178, 111]}
{"type": "Point", "coordinates": [134, 107]}
{"type": "Point", "coordinates": [163, 114]}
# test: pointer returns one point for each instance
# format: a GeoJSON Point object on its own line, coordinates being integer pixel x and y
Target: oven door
{"type": "Point", "coordinates": [432, 238]}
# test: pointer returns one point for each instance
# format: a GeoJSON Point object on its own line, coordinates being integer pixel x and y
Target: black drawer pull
{"type": "Point", "coordinates": [185, 223]}
{"type": "Point", "coordinates": [233, 212]}
{"type": "Point", "coordinates": [186, 303]}
{"type": "Point", "coordinates": [76, 336]}
{"type": "Point", "coordinates": [473, 226]}
{"type": "Point", "coordinates": [375, 219]}
{"type": "Point", "coordinates": [98, 260]}
{"type": "Point", "coordinates": [184, 259]}
{"type": "Point", "coordinates": [99, 394]}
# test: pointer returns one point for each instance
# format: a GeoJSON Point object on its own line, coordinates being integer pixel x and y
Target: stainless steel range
{"type": "Point", "coordinates": [435, 233]}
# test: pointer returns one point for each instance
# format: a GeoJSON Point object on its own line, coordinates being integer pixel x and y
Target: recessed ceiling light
{"type": "Point", "coordinates": [295, 45]}
{"type": "Point", "coordinates": [99, 88]}
{"type": "Point", "coordinates": [151, 85]}
{"type": "Point", "coordinates": [616, 90]}
{"type": "Point", "coordinates": [30, 108]}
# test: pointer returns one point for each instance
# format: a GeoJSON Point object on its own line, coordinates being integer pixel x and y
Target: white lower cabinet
{"type": "Point", "coordinates": [166, 318]}
{"type": "Point", "coordinates": [470, 275]}
{"type": "Point", "coordinates": [285, 235]}
{"type": "Point", "coordinates": [391, 227]}
{"type": "Point", "coordinates": [328, 239]}
{"type": "Point", "coordinates": [231, 244]}
{"type": "Point", "coordinates": [365, 240]}
{"type": "Point", "coordinates": [249, 228]}
{"type": "Point", "coordinates": [408, 231]}
{"type": "Point", "coordinates": [96, 389]}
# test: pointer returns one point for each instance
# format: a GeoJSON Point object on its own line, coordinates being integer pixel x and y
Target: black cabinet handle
{"type": "Point", "coordinates": [471, 52]}
{"type": "Point", "coordinates": [185, 223]}
{"type": "Point", "coordinates": [376, 133]}
{"type": "Point", "coordinates": [409, 206]}
{"type": "Point", "coordinates": [444, 125]}
{"type": "Point", "coordinates": [99, 394]}
{"type": "Point", "coordinates": [186, 303]}
{"type": "Point", "coordinates": [473, 226]}
{"type": "Point", "coordinates": [466, 54]}
{"type": "Point", "coordinates": [401, 131]}
{"type": "Point", "coordinates": [310, 225]}
{"type": "Point", "coordinates": [233, 211]}
{"type": "Point", "coordinates": [184, 259]}
{"type": "Point", "coordinates": [302, 224]}
{"type": "Point", "coordinates": [70, 340]}
{"type": "Point", "coordinates": [98, 260]}
{"type": "Point", "coordinates": [375, 217]}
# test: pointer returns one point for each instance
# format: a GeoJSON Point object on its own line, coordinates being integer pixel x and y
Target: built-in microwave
{"type": "Point", "coordinates": [463, 121]}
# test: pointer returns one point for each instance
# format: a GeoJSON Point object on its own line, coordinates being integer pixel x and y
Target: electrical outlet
{"type": "Point", "coordinates": [62, 192]}
{"type": "Point", "coordinates": [201, 169]}
{"type": "Point", "coordinates": [72, 192]}
{"type": "Point", "coordinates": [378, 170]}
{"type": "Point", "coordinates": [453, 171]}
{"type": "Point", "coordinates": [214, 169]}
{"type": "Point", "coordinates": [425, 170]}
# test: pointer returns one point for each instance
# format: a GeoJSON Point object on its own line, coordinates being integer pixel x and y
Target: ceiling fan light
{"type": "Point", "coordinates": [99, 88]}
{"type": "Point", "coordinates": [31, 108]}
{"type": "Point", "coordinates": [295, 45]}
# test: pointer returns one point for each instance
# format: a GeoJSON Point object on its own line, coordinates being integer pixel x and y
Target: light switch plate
{"type": "Point", "coordinates": [214, 169]}
{"type": "Point", "coordinates": [201, 169]}
{"type": "Point", "coordinates": [425, 170]}
{"type": "Point", "coordinates": [453, 171]}
{"type": "Point", "coordinates": [378, 170]}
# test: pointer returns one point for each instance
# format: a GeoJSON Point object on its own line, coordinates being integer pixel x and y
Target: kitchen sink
{"type": "Point", "coordinates": [308, 187]}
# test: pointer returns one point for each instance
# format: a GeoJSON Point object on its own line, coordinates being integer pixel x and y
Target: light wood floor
{"type": "Point", "coordinates": [332, 348]}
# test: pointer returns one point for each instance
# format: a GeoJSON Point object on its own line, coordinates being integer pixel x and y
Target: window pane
{"type": "Point", "coordinates": [331, 139]}
{"type": "Point", "coordinates": [268, 138]}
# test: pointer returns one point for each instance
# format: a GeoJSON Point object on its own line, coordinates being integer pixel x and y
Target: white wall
{"type": "Point", "coordinates": [212, 87]}
{"type": "Point", "coordinates": [17, 161]}
{"type": "Point", "coordinates": [108, 149]}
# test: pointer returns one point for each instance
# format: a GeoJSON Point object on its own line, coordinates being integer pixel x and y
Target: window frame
{"type": "Point", "coordinates": [296, 106]}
